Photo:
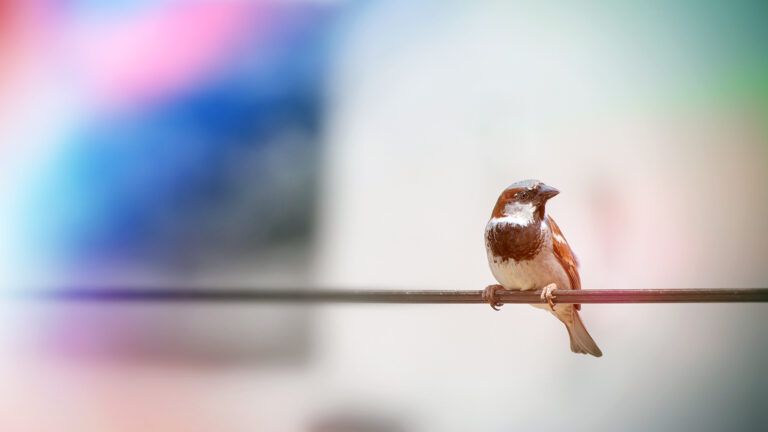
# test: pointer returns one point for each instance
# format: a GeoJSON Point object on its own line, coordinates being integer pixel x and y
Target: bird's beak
{"type": "Point", "coordinates": [547, 192]}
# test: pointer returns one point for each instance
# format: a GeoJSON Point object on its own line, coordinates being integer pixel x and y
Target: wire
{"type": "Point", "coordinates": [302, 295]}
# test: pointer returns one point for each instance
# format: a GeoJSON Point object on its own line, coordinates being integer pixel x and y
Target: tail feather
{"type": "Point", "coordinates": [581, 341]}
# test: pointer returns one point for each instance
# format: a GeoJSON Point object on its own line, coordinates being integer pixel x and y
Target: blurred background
{"type": "Point", "coordinates": [362, 144]}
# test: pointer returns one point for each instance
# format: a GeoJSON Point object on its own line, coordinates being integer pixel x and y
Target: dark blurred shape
{"type": "Point", "coordinates": [375, 421]}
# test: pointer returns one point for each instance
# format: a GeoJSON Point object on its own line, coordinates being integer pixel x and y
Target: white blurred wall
{"type": "Point", "coordinates": [661, 187]}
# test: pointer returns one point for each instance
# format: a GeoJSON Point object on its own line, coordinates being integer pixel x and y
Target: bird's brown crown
{"type": "Point", "coordinates": [532, 192]}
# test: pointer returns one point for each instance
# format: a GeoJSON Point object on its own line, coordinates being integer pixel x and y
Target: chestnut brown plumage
{"type": "Point", "coordinates": [527, 250]}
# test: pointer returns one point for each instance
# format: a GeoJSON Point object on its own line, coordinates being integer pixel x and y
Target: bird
{"type": "Point", "coordinates": [527, 251]}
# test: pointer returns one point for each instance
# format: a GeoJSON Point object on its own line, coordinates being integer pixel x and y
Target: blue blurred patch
{"type": "Point", "coordinates": [227, 168]}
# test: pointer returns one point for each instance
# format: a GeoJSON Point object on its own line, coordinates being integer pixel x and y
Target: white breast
{"type": "Point", "coordinates": [532, 274]}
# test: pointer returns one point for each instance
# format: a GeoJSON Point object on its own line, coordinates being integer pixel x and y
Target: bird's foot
{"type": "Point", "coordinates": [546, 294]}
{"type": "Point", "coordinates": [490, 295]}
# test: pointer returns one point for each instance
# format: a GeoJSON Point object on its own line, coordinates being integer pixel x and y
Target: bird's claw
{"type": "Point", "coordinates": [546, 294]}
{"type": "Point", "coordinates": [490, 296]}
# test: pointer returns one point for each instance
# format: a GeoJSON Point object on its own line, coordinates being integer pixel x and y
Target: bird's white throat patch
{"type": "Point", "coordinates": [517, 214]}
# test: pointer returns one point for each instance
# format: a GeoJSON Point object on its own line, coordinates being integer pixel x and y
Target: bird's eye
{"type": "Point", "coordinates": [523, 195]}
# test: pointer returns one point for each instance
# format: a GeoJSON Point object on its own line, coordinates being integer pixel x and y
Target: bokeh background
{"type": "Point", "coordinates": [362, 144]}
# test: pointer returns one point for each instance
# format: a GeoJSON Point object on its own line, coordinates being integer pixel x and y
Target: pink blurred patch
{"type": "Point", "coordinates": [155, 52]}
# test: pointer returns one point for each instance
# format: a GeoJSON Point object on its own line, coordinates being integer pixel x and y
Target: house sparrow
{"type": "Point", "coordinates": [526, 251]}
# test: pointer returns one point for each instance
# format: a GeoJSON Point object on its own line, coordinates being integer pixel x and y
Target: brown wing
{"type": "Point", "coordinates": [565, 255]}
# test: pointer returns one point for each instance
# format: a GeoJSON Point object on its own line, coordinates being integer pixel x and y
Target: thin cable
{"type": "Point", "coordinates": [302, 295]}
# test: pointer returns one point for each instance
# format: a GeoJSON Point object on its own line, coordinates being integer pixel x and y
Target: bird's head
{"type": "Point", "coordinates": [523, 202]}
